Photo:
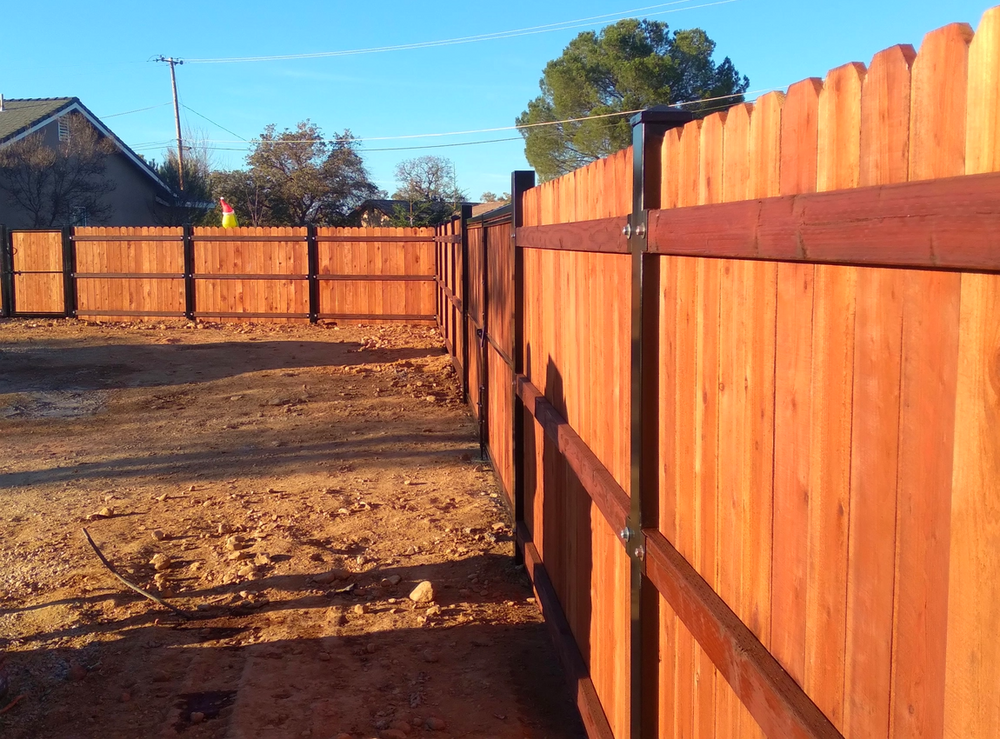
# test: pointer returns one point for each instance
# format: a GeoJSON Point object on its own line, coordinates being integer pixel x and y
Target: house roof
{"type": "Point", "coordinates": [484, 208]}
{"type": "Point", "coordinates": [389, 206]}
{"type": "Point", "coordinates": [385, 206]}
{"type": "Point", "coordinates": [20, 118]}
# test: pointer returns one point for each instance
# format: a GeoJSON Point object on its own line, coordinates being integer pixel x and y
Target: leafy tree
{"type": "Point", "coordinates": [492, 197]}
{"type": "Point", "coordinates": [427, 184]}
{"type": "Point", "coordinates": [631, 65]}
{"type": "Point", "coordinates": [56, 186]}
{"type": "Point", "coordinates": [304, 179]}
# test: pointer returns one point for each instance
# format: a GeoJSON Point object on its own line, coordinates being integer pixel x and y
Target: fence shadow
{"type": "Point", "coordinates": [342, 671]}
{"type": "Point", "coordinates": [80, 366]}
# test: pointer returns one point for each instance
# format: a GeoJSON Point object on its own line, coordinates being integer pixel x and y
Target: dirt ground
{"type": "Point", "coordinates": [299, 482]}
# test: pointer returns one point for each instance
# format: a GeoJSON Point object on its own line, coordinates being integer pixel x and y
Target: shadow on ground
{"type": "Point", "coordinates": [80, 366]}
{"type": "Point", "coordinates": [358, 673]}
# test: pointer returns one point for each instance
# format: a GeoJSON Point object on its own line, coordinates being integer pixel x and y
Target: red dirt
{"type": "Point", "coordinates": [326, 448]}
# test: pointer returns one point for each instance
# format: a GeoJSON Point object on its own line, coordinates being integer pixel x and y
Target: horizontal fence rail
{"type": "Point", "coordinates": [375, 274]}
{"type": "Point", "coordinates": [739, 385]}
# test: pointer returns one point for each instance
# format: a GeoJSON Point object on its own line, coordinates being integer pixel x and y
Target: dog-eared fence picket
{"type": "Point", "coordinates": [739, 383]}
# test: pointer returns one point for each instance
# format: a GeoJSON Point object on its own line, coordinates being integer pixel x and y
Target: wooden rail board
{"type": "Point", "coordinates": [775, 701]}
{"type": "Point", "coordinates": [951, 223]}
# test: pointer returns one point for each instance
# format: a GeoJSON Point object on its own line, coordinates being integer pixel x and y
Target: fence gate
{"type": "Point", "coordinates": [38, 285]}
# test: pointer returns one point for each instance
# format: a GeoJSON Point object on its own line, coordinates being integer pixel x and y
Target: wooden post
{"type": "Point", "coordinates": [312, 258]}
{"type": "Point", "coordinates": [69, 272]}
{"type": "Point", "coordinates": [189, 282]}
{"type": "Point", "coordinates": [519, 182]}
{"type": "Point", "coordinates": [648, 128]}
{"type": "Point", "coordinates": [6, 273]}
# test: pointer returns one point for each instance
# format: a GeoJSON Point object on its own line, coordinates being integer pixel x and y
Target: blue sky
{"type": "Point", "coordinates": [99, 53]}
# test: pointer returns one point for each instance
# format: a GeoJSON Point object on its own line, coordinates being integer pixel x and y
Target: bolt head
{"type": "Point", "coordinates": [627, 231]}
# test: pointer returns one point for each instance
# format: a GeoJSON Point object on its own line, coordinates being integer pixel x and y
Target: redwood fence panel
{"type": "Point", "coordinates": [278, 274]}
{"type": "Point", "coordinates": [777, 327]}
{"type": "Point", "coordinates": [37, 272]}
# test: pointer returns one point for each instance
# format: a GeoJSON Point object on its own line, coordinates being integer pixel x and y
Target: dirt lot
{"type": "Point", "coordinates": [299, 482]}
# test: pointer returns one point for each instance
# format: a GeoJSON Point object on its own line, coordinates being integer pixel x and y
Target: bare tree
{"type": "Point", "coordinates": [427, 184]}
{"type": "Point", "coordinates": [54, 186]}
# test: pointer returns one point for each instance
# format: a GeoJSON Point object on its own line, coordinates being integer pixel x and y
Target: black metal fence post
{"type": "Point", "coordinates": [69, 272]}
{"type": "Point", "coordinates": [519, 183]}
{"type": "Point", "coordinates": [648, 129]}
{"type": "Point", "coordinates": [464, 297]}
{"type": "Point", "coordinates": [6, 273]}
{"type": "Point", "coordinates": [190, 304]}
{"type": "Point", "coordinates": [484, 354]}
{"type": "Point", "coordinates": [312, 257]}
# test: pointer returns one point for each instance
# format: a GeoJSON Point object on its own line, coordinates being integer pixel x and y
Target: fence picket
{"type": "Point", "coordinates": [938, 103]}
{"type": "Point", "coordinates": [800, 137]}
{"type": "Point", "coordinates": [885, 118]}
{"type": "Point", "coordinates": [839, 150]}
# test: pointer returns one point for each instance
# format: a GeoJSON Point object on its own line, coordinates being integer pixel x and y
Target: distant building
{"type": "Point", "coordinates": [139, 194]}
{"type": "Point", "coordinates": [375, 213]}
{"type": "Point", "coordinates": [378, 213]}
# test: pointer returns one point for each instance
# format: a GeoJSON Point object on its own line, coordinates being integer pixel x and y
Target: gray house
{"type": "Point", "coordinates": [137, 197]}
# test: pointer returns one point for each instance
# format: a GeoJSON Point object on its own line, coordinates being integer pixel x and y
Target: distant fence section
{"type": "Point", "coordinates": [288, 274]}
{"type": "Point", "coordinates": [740, 384]}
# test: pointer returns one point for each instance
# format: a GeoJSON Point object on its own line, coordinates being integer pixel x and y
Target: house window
{"type": "Point", "coordinates": [63, 130]}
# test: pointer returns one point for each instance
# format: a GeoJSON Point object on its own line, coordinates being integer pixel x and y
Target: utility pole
{"type": "Point", "coordinates": [177, 115]}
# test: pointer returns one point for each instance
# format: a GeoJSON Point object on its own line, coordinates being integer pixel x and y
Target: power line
{"type": "Point", "coordinates": [494, 129]}
{"type": "Point", "coordinates": [529, 31]}
{"type": "Point", "coordinates": [137, 110]}
{"type": "Point", "coordinates": [217, 125]}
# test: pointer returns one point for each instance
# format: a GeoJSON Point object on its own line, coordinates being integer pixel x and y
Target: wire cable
{"type": "Point", "coordinates": [137, 110]}
{"type": "Point", "coordinates": [217, 125]}
{"type": "Point", "coordinates": [529, 31]}
{"type": "Point", "coordinates": [494, 129]}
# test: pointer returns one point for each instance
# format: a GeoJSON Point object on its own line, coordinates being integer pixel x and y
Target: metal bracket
{"type": "Point", "coordinates": [635, 543]}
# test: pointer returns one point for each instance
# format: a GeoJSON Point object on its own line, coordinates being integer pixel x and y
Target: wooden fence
{"type": "Point", "coordinates": [288, 274]}
{"type": "Point", "coordinates": [741, 383]}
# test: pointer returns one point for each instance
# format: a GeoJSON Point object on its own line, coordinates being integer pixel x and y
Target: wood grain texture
{"type": "Point", "coordinates": [38, 257]}
{"type": "Point", "coordinates": [885, 118]}
{"type": "Point", "coordinates": [792, 442]}
{"type": "Point", "coordinates": [765, 146]}
{"type": "Point", "coordinates": [688, 171]}
{"type": "Point", "coordinates": [712, 164]}
{"type": "Point", "coordinates": [839, 158]}
{"type": "Point", "coordinates": [982, 144]}
{"type": "Point", "coordinates": [670, 153]}
{"type": "Point", "coordinates": [774, 700]}
{"type": "Point", "coordinates": [973, 661]}
{"type": "Point", "coordinates": [947, 223]}
{"type": "Point", "coordinates": [736, 145]}
{"type": "Point", "coordinates": [610, 498]}
{"type": "Point", "coordinates": [874, 462]}
{"type": "Point", "coordinates": [829, 487]}
{"type": "Point", "coordinates": [800, 137]}
{"type": "Point", "coordinates": [603, 235]}
{"type": "Point", "coordinates": [930, 333]}
{"type": "Point", "coordinates": [938, 103]}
